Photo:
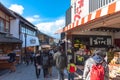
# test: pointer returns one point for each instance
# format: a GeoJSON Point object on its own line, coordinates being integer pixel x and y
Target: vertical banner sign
{"type": "Point", "coordinates": [78, 9]}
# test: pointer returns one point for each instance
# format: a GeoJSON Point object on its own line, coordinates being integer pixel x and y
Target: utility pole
{"type": "Point", "coordinates": [25, 39]}
{"type": "Point", "coordinates": [66, 43]}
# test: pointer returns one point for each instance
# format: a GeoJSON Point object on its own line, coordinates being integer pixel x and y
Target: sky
{"type": "Point", "coordinates": [47, 15]}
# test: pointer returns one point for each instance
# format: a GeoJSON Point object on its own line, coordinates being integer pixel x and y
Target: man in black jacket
{"type": "Point", "coordinates": [37, 63]}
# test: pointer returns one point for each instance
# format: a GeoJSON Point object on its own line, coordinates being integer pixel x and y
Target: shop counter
{"type": "Point", "coordinates": [114, 71]}
{"type": "Point", "coordinates": [4, 64]}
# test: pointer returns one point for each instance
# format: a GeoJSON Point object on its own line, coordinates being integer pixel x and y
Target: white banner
{"type": "Point", "coordinates": [30, 40]}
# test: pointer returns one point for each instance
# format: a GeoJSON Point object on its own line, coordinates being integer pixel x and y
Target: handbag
{"type": "Point", "coordinates": [38, 67]}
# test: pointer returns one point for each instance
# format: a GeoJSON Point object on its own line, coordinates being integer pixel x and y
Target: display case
{"type": "Point", "coordinates": [114, 66]}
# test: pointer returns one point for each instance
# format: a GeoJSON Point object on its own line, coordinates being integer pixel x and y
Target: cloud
{"type": "Point", "coordinates": [47, 26]}
{"type": "Point", "coordinates": [33, 19]}
{"type": "Point", "coordinates": [51, 27]}
{"type": "Point", "coordinates": [17, 8]}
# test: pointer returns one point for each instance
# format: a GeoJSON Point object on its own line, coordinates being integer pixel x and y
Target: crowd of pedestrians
{"type": "Point", "coordinates": [45, 59]}
{"type": "Point", "coordinates": [95, 65]}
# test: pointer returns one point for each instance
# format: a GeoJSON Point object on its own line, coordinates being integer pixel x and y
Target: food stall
{"type": "Point", "coordinates": [114, 66]}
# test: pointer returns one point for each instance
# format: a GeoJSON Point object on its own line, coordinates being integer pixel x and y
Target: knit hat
{"type": "Point", "coordinates": [97, 58]}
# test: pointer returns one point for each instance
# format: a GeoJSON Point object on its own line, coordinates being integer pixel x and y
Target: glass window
{"type": "Point", "coordinates": [103, 2]}
{"type": "Point", "coordinates": [27, 31]}
{"type": "Point", "coordinates": [75, 8]}
{"type": "Point", "coordinates": [1, 25]}
{"type": "Point", "coordinates": [23, 30]}
{"type": "Point", "coordinates": [109, 1]}
{"type": "Point", "coordinates": [7, 18]}
{"type": "Point", "coordinates": [98, 3]}
{"type": "Point", "coordinates": [7, 27]}
{"type": "Point", "coordinates": [106, 1]}
{"type": "Point", "coordinates": [95, 4]}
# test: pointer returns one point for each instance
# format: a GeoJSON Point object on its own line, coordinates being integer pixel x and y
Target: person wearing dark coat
{"type": "Point", "coordinates": [45, 62]}
{"type": "Point", "coordinates": [51, 62]}
{"type": "Point", "coordinates": [37, 63]}
{"type": "Point", "coordinates": [12, 60]}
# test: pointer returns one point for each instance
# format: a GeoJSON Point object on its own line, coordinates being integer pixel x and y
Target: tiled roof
{"type": "Point", "coordinates": [3, 8]}
{"type": "Point", "coordinates": [10, 40]}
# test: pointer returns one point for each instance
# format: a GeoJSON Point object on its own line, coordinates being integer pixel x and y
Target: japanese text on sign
{"type": "Point", "coordinates": [78, 9]}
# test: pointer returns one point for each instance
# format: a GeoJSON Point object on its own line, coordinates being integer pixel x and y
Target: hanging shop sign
{"type": "Point", "coordinates": [30, 41]}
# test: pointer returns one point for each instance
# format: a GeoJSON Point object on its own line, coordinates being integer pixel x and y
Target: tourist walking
{"type": "Point", "coordinates": [94, 68]}
{"type": "Point", "coordinates": [37, 63]}
{"type": "Point", "coordinates": [61, 62]}
{"type": "Point", "coordinates": [45, 62]}
{"type": "Point", "coordinates": [51, 62]}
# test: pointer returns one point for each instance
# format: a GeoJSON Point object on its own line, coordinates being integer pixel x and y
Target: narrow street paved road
{"type": "Point", "coordinates": [24, 72]}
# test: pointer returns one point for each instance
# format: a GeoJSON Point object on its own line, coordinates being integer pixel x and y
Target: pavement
{"type": "Point", "coordinates": [24, 72]}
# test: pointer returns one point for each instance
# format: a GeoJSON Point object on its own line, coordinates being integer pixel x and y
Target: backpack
{"type": "Point", "coordinates": [72, 69]}
{"type": "Point", "coordinates": [11, 60]}
{"type": "Point", "coordinates": [12, 57]}
{"type": "Point", "coordinates": [45, 62]}
{"type": "Point", "coordinates": [97, 72]}
{"type": "Point", "coordinates": [60, 63]}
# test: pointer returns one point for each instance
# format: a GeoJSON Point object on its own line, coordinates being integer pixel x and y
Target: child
{"type": "Point", "coordinates": [71, 70]}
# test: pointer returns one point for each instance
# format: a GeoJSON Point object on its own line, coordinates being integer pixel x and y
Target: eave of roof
{"type": "Point", "coordinates": [10, 40]}
{"type": "Point", "coordinates": [23, 20]}
{"type": "Point", "coordinates": [3, 8]}
{"type": "Point", "coordinates": [39, 32]}
{"type": "Point", "coordinates": [94, 16]}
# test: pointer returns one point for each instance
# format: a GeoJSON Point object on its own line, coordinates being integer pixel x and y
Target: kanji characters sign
{"type": "Point", "coordinates": [78, 9]}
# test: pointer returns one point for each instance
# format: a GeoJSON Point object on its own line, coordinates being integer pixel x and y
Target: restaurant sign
{"type": "Point", "coordinates": [100, 41]}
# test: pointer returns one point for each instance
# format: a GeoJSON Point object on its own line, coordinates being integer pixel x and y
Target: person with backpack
{"type": "Point", "coordinates": [61, 62]}
{"type": "Point", "coordinates": [45, 62]}
{"type": "Point", "coordinates": [94, 70]}
{"type": "Point", "coordinates": [71, 69]}
{"type": "Point", "coordinates": [37, 63]}
{"type": "Point", "coordinates": [12, 61]}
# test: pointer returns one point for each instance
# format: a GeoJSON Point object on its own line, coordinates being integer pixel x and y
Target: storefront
{"type": "Point", "coordinates": [103, 22]}
{"type": "Point", "coordinates": [98, 29]}
{"type": "Point", "coordinates": [91, 41]}
{"type": "Point", "coordinates": [8, 44]}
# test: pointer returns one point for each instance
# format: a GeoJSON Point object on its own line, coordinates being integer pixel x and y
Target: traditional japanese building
{"type": "Point", "coordinates": [26, 32]}
{"type": "Point", "coordinates": [8, 42]}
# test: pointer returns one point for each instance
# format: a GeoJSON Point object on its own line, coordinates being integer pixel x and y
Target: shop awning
{"type": "Point", "coordinates": [10, 40]}
{"type": "Point", "coordinates": [98, 14]}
